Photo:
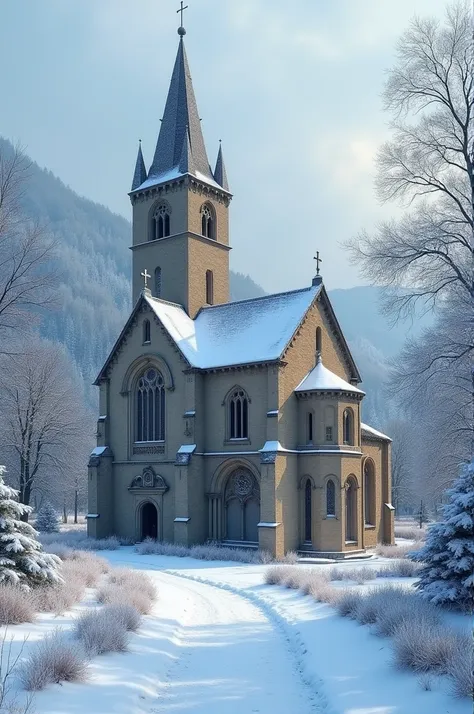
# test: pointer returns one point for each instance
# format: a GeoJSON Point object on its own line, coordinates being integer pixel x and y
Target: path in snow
{"type": "Point", "coordinates": [231, 658]}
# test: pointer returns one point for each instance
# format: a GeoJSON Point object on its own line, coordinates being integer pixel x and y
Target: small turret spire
{"type": "Point", "coordinates": [139, 175]}
{"type": "Point", "coordinates": [220, 173]}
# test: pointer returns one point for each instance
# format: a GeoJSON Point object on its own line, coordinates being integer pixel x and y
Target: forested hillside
{"type": "Point", "coordinates": [93, 264]}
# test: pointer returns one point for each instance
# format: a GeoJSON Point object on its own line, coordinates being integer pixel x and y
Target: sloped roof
{"type": "Point", "coordinates": [180, 132]}
{"type": "Point", "coordinates": [321, 379]}
{"type": "Point", "coordinates": [220, 173]}
{"type": "Point", "coordinates": [242, 332]}
{"type": "Point", "coordinates": [370, 433]}
{"type": "Point", "coordinates": [139, 175]}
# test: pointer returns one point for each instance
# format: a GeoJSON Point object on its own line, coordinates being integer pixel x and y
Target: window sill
{"type": "Point", "coordinates": [243, 440]}
{"type": "Point", "coordinates": [147, 342]}
{"type": "Point", "coordinates": [369, 526]}
{"type": "Point", "coordinates": [331, 516]}
{"type": "Point", "coordinates": [350, 542]}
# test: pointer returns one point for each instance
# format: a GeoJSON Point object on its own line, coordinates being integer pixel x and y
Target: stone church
{"type": "Point", "coordinates": [237, 422]}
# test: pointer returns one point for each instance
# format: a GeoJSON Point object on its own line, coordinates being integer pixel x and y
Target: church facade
{"type": "Point", "coordinates": [237, 422]}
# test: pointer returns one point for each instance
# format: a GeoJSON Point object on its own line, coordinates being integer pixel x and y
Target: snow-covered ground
{"type": "Point", "coordinates": [219, 641]}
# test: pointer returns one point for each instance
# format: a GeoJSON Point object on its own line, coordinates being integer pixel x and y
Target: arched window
{"type": "Point", "coordinates": [310, 427]}
{"type": "Point", "coordinates": [146, 332]}
{"type": "Point", "coordinates": [150, 406]}
{"type": "Point", "coordinates": [348, 426]}
{"type": "Point", "coordinates": [330, 498]}
{"type": "Point", "coordinates": [238, 415]}
{"type": "Point", "coordinates": [307, 511]}
{"type": "Point", "coordinates": [209, 287]}
{"type": "Point", "coordinates": [207, 222]}
{"type": "Point", "coordinates": [158, 282]}
{"type": "Point", "coordinates": [160, 225]}
{"type": "Point", "coordinates": [351, 510]}
{"type": "Point", "coordinates": [319, 341]}
{"type": "Point", "coordinates": [369, 492]}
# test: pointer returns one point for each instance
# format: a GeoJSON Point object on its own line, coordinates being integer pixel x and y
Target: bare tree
{"type": "Point", "coordinates": [403, 493]}
{"type": "Point", "coordinates": [25, 250]}
{"type": "Point", "coordinates": [427, 255]}
{"type": "Point", "coordinates": [44, 428]}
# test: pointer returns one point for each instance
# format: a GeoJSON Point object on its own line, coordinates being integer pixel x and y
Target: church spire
{"type": "Point", "coordinates": [139, 175]}
{"type": "Point", "coordinates": [180, 117]}
{"type": "Point", "coordinates": [220, 174]}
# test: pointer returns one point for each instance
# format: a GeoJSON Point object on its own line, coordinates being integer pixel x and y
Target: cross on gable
{"type": "Point", "coordinates": [145, 275]}
{"type": "Point", "coordinates": [318, 261]}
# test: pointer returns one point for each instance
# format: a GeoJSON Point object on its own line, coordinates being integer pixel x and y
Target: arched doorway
{"type": "Point", "coordinates": [242, 507]}
{"type": "Point", "coordinates": [351, 510]}
{"type": "Point", "coordinates": [149, 521]}
{"type": "Point", "coordinates": [307, 512]}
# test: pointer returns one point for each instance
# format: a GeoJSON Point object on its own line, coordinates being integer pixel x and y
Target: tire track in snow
{"type": "Point", "coordinates": [294, 644]}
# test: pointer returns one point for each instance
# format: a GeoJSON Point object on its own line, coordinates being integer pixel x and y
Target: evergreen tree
{"type": "Point", "coordinates": [22, 561]}
{"type": "Point", "coordinates": [47, 520]}
{"type": "Point", "coordinates": [447, 575]}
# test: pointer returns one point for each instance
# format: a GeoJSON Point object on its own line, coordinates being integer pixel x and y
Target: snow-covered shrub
{"type": "Point", "coordinates": [274, 575]}
{"type": "Point", "coordinates": [81, 570]}
{"type": "Point", "coordinates": [85, 566]}
{"type": "Point", "coordinates": [317, 585]}
{"type": "Point", "coordinates": [16, 605]}
{"type": "Point", "coordinates": [372, 605]}
{"type": "Point", "coordinates": [400, 569]}
{"type": "Point", "coordinates": [133, 578]}
{"type": "Point", "coordinates": [425, 647]}
{"type": "Point", "coordinates": [403, 606]}
{"type": "Point", "coordinates": [447, 575]}
{"type": "Point", "coordinates": [102, 631]}
{"type": "Point", "coordinates": [461, 671]}
{"type": "Point", "coordinates": [410, 532]}
{"type": "Point", "coordinates": [154, 547]}
{"type": "Point", "coordinates": [290, 558]}
{"type": "Point", "coordinates": [294, 577]}
{"type": "Point", "coordinates": [53, 660]}
{"type": "Point", "coordinates": [347, 602]}
{"type": "Point", "coordinates": [59, 549]}
{"type": "Point", "coordinates": [22, 561]}
{"type": "Point", "coordinates": [357, 574]}
{"type": "Point", "coordinates": [129, 587]}
{"type": "Point", "coordinates": [79, 540]}
{"type": "Point", "coordinates": [394, 551]}
{"type": "Point", "coordinates": [127, 615]}
{"type": "Point", "coordinates": [47, 519]}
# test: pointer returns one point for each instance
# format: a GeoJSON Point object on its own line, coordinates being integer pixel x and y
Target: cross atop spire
{"type": "Point", "coordinates": [318, 261]}
{"type": "Point", "coordinates": [181, 30]}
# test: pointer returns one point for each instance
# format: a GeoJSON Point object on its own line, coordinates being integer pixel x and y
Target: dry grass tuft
{"type": "Point", "coordinates": [16, 605]}
{"type": "Point", "coordinates": [53, 660]}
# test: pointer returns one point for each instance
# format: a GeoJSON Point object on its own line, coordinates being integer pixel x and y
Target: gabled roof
{"type": "Point", "coordinates": [180, 124]}
{"type": "Point", "coordinates": [326, 303]}
{"type": "Point", "coordinates": [372, 434]}
{"type": "Point", "coordinates": [235, 333]}
{"type": "Point", "coordinates": [321, 379]}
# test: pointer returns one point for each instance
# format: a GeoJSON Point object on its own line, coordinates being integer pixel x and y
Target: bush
{"type": "Point", "coordinates": [404, 607]}
{"type": "Point", "coordinates": [357, 574]}
{"type": "Point", "coordinates": [347, 602]}
{"type": "Point", "coordinates": [51, 661]}
{"type": "Point", "coordinates": [317, 585]}
{"type": "Point", "coordinates": [16, 605]}
{"type": "Point", "coordinates": [461, 671]}
{"type": "Point", "coordinates": [47, 520]}
{"type": "Point", "coordinates": [400, 569]}
{"type": "Point", "coordinates": [393, 551]}
{"type": "Point", "coordinates": [59, 598]}
{"type": "Point", "coordinates": [425, 647]}
{"type": "Point", "coordinates": [127, 615]}
{"type": "Point", "coordinates": [128, 587]}
{"type": "Point", "coordinates": [410, 532]}
{"type": "Point", "coordinates": [79, 540]}
{"type": "Point", "coordinates": [274, 575]}
{"type": "Point", "coordinates": [373, 605]}
{"type": "Point", "coordinates": [102, 631]}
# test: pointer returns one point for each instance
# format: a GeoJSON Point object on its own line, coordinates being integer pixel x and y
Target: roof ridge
{"type": "Point", "coordinates": [259, 297]}
{"type": "Point", "coordinates": [166, 302]}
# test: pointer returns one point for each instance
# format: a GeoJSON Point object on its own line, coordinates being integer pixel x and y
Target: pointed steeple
{"type": "Point", "coordinates": [180, 117]}
{"type": "Point", "coordinates": [220, 173]}
{"type": "Point", "coordinates": [139, 175]}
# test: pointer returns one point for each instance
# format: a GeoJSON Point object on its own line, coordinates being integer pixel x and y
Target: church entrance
{"type": "Point", "coordinates": [149, 521]}
{"type": "Point", "coordinates": [241, 507]}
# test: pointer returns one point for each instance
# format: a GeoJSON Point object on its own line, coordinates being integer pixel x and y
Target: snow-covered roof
{"type": "Point", "coordinates": [321, 379]}
{"type": "Point", "coordinates": [371, 432]}
{"type": "Point", "coordinates": [243, 332]}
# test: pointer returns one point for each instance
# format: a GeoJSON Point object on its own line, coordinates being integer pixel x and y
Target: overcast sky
{"type": "Point", "coordinates": [292, 89]}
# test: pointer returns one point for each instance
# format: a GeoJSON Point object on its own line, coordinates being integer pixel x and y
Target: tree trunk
{"type": "Point", "coordinates": [64, 512]}
{"type": "Point", "coordinates": [76, 496]}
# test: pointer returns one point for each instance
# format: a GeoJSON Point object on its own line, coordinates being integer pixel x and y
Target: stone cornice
{"type": "Point", "coordinates": [188, 181]}
{"type": "Point", "coordinates": [186, 234]}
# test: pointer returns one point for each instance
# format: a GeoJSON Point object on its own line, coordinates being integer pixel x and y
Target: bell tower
{"type": "Point", "coordinates": [181, 207]}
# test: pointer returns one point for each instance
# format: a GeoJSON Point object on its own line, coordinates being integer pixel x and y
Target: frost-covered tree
{"type": "Point", "coordinates": [47, 520]}
{"type": "Point", "coordinates": [447, 575]}
{"type": "Point", "coordinates": [22, 561]}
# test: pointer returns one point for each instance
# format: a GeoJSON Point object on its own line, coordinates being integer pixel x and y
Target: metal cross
{"type": "Point", "coordinates": [318, 261]}
{"type": "Point", "coordinates": [145, 275]}
{"type": "Point", "coordinates": [181, 10]}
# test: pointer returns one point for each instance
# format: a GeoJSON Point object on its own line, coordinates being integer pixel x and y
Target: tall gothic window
{"type": "Point", "coordinates": [310, 427]}
{"type": "Point", "coordinates": [207, 222]}
{"type": "Point", "coordinates": [348, 426]}
{"type": "Point", "coordinates": [330, 498]}
{"type": "Point", "coordinates": [158, 282]}
{"type": "Point", "coordinates": [369, 493]}
{"type": "Point", "coordinates": [209, 287]}
{"type": "Point", "coordinates": [238, 415]}
{"type": "Point", "coordinates": [161, 222]}
{"type": "Point", "coordinates": [146, 332]}
{"type": "Point", "coordinates": [319, 341]}
{"type": "Point", "coordinates": [150, 407]}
